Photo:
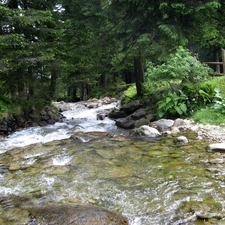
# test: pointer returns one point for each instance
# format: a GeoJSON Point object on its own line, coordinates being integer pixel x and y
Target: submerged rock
{"type": "Point", "coordinates": [21, 210]}
{"type": "Point", "coordinates": [74, 215]}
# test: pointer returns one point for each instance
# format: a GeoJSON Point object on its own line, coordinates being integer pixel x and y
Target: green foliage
{"type": "Point", "coordinates": [209, 115]}
{"type": "Point", "coordinates": [129, 94]}
{"type": "Point", "coordinates": [180, 66]}
{"type": "Point", "coordinates": [182, 75]}
{"type": "Point", "coordinates": [219, 101]}
{"type": "Point", "coordinates": [172, 104]}
{"type": "Point", "coordinates": [214, 112]}
{"type": "Point", "coordinates": [207, 92]}
{"type": "Point", "coordinates": [5, 104]}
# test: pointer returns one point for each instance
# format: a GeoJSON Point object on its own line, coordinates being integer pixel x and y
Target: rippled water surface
{"type": "Point", "coordinates": [150, 182]}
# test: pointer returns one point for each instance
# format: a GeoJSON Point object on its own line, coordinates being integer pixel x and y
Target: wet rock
{"type": "Point", "coordinates": [162, 124]}
{"type": "Point", "coordinates": [92, 105]}
{"type": "Point", "coordinates": [140, 122]}
{"type": "Point", "coordinates": [131, 107]}
{"type": "Point", "coordinates": [3, 127]}
{"type": "Point", "coordinates": [175, 130]}
{"type": "Point", "coordinates": [116, 114]}
{"type": "Point", "coordinates": [100, 116]}
{"type": "Point", "coordinates": [216, 161]}
{"type": "Point", "coordinates": [217, 147]}
{"type": "Point", "coordinates": [180, 123]}
{"type": "Point", "coordinates": [74, 215]}
{"type": "Point", "coordinates": [182, 140]}
{"type": "Point", "coordinates": [145, 131]}
{"type": "Point", "coordinates": [140, 113]}
{"type": "Point", "coordinates": [42, 123]}
{"type": "Point", "coordinates": [126, 123]}
{"type": "Point", "coordinates": [204, 211]}
{"type": "Point", "coordinates": [86, 137]}
{"type": "Point", "coordinates": [62, 106]}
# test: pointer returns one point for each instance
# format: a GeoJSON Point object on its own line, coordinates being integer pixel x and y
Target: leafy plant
{"type": "Point", "coordinates": [207, 92]}
{"type": "Point", "coordinates": [180, 66]}
{"type": "Point", "coordinates": [172, 104]}
{"type": "Point", "coordinates": [219, 101]}
{"type": "Point", "coordinates": [129, 94]}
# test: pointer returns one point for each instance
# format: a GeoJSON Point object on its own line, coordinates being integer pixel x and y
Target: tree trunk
{"type": "Point", "coordinates": [102, 81]}
{"type": "Point", "coordinates": [139, 74]}
{"type": "Point", "coordinates": [20, 83]}
{"type": "Point", "coordinates": [31, 82]}
{"type": "Point", "coordinates": [52, 87]}
{"type": "Point", "coordinates": [217, 58]}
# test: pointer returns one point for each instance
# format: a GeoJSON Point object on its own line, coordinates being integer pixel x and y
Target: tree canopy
{"type": "Point", "coordinates": [86, 48]}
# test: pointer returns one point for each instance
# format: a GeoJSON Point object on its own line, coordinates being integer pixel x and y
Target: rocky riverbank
{"type": "Point", "coordinates": [48, 115]}
{"type": "Point", "coordinates": [134, 115]}
{"type": "Point", "coordinates": [130, 116]}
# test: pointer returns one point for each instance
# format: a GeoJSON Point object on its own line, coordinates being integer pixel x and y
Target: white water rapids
{"type": "Point", "coordinates": [77, 118]}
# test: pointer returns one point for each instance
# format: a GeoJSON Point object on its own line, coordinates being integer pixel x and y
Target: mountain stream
{"type": "Point", "coordinates": [88, 161]}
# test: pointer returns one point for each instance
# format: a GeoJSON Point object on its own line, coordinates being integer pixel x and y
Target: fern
{"type": "Point", "coordinates": [207, 92]}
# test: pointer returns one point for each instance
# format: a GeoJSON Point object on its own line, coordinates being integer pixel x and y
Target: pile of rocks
{"type": "Point", "coordinates": [49, 115]}
{"type": "Point", "coordinates": [132, 115]}
{"type": "Point", "coordinates": [142, 123]}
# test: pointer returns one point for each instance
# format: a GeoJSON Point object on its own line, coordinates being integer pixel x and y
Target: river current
{"type": "Point", "coordinates": [149, 181]}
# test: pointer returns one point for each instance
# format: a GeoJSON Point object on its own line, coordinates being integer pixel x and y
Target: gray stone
{"type": "Point", "coordinates": [162, 124]}
{"type": "Point", "coordinates": [145, 131]}
{"type": "Point", "coordinates": [175, 130]}
{"type": "Point", "coordinates": [182, 140]}
{"type": "Point", "coordinates": [180, 122]}
{"type": "Point", "coordinates": [131, 107]}
{"type": "Point", "coordinates": [217, 147]}
{"type": "Point", "coordinates": [140, 122]}
{"type": "Point", "coordinates": [140, 113]}
{"type": "Point", "coordinates": [126, 123]}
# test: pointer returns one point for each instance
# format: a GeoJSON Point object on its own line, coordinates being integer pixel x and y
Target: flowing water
{"type": "Point", "coordinates": [148, 181]}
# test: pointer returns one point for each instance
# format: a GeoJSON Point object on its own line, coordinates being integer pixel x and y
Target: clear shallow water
{"type": "Point", "coordinates": [150, 182]}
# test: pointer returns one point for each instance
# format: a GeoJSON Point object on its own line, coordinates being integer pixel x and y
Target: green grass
{"type": "Point", "coordinates": [209, 116]}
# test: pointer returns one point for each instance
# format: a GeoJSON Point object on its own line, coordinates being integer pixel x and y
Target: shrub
{"type": "Point", "coordinates": [172, 104]}
{"type": "Point", "coordinates": [179, 67]}
{"type": "Point", "coordinates": [182, 75]}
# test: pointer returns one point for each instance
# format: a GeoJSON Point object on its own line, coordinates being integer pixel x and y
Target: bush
{"type": "Point", "coordinates": [180, 67]}
{"type": "Point", "coordinates": [183, 77]}
{"type": "Point", "coordinates": [129, 94]}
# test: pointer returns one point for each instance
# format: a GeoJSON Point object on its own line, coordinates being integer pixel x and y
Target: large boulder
{"type": "Point", "coordinates": [125, 110]}
{"type": "Point", "coordinates": [126, 123]}
{"type": "Point", "coordinates": [3, 127]}
{"type": "Point", "coordinates": [74, 215]}
{"type": "Point", "coordinates": [131, 107]}
{"type": "Point", "coordinates": [139, 113]}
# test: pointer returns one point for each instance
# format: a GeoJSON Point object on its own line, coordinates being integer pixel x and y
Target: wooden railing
{"type": "Point", "coordinates": [219, 63]}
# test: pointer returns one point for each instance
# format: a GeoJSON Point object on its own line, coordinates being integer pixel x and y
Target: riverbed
{"type": "Point", "coordinates": [89, 161]}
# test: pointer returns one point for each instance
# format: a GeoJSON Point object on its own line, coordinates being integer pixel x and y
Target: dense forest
{"type": "Point", "coordinates": [75, 49]}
